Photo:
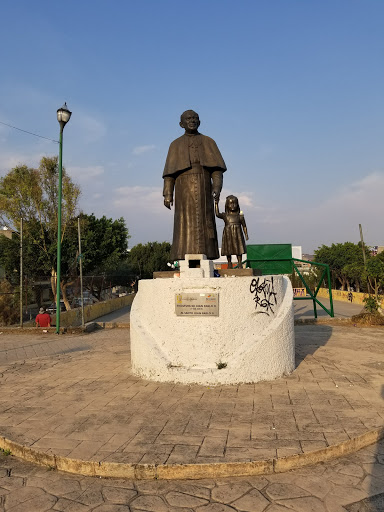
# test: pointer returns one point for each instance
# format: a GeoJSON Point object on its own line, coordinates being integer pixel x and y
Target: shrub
{"type": "Point", "coordinates": [371, 304]}
{"type": "Point", "coordinates": [9, 309]}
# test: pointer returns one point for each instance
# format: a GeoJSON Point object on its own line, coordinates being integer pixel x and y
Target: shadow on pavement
{"type": "Point", "coordinates": [120, 315]}
{"type": "Point", "coordinates": [309, 338]}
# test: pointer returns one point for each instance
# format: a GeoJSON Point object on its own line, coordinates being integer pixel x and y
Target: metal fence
{"type": "Point", "coordinates": [38, 291]}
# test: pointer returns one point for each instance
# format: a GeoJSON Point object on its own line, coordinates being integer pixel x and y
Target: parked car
{"type": "Point", "coordinates": [87, 301]}
{"type": "Point", "coordinates": [51, 309]}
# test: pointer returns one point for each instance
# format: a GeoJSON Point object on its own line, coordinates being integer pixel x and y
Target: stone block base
{"type": "Point", "coordinates": [251, 338]}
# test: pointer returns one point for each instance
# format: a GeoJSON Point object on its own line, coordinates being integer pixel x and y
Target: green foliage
{"type": "Point", "coordinates": [122, 274]}
{"type": "Point", "coordinates": [34, 259]}
{"type": "Point", "coordinates": [104, 243]}
{"type": "Point", "coordinates": [9, 304]}
{"type": "Point", "coordinates": [375, 274]}
{"type": "Point", "coordinates": [345, 261]}
{"type": "Point", "coordinates": [149, 258]}
{"type": "Point", "coordinates": [311, 276]}
{"type": "Point", "coordinates": [104, 251]}
{"type": "Point", "coordinates": [9, 255]}
{"type": "Point", "coordinates": [32, 194]}
{"type": "Point", "coordinates": [371, 304]}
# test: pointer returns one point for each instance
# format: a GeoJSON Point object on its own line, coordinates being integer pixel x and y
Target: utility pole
{"type": "Point", "coordinates": [364, 255]}
{"type": "Point", "coordinates": [63, 116]}
{"type": "Point", "coordinates": [362, 245]}
{"type": "Point", "coordinates": [21, 272]}
{"type": "Point", "coordinates": [81, 273]}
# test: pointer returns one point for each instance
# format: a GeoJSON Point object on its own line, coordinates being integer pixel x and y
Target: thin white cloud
{"type": "Point", "coordinates": [90, 128]}
{"type": "Point", "coordinates": [140, 199]}
{"type": "Point", "coordinates": [146, 216]}
{"type": "Point", "coordinates": [85, 173]}
{"type": "Point", "coordinates": [355, 200]}
{"type": "Point", "coordinates": [332, 218]}
{"type": "Point", "coordinates": [245, 198]}
{"type": "Point", "coordinates": [10, 160]}
{"type": "Point", "coordinates": [139, 150]}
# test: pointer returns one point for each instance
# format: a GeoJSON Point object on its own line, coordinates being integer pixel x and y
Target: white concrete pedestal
{"type": "Point", "coordinates": [251, 339]}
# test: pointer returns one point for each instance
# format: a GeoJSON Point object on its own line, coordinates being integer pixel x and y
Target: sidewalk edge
{"type": "Point", "coordinates": [190, 471]}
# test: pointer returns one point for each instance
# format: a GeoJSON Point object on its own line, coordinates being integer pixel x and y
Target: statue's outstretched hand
{"type": "Point", "coordinates": [216, 195]}
{"type": "Point", "coordinates": [168, 202]}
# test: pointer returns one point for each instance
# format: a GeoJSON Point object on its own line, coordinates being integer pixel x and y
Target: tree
{"type": "Point", "coordinates": [149, 258]}
{"type": "Point", "coordinates": [34, 260]}
{"type": "Point", "coordinates": [375, 274]}
{"type": "Point", "coordinates": [354, 272]}
{"type": "Point", "coordinates": [9, 307]}
{"type": "Point", "coordinates": [104, 248]}
{"type": "Point", "coordinates": [32, 194]}
{"type": "Point", "coordinates": [345, 261]}
{"type": "Point", "coordinates": [104, 243]}
{"type": "Point", "coordinates": [9, 256]}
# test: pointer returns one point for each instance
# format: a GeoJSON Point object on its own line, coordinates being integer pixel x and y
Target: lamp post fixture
{"type": "Point", "coordinates": [63, 116]}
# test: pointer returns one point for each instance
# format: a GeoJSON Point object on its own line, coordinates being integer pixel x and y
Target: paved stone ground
{"type": "Point", "coordinates": [353, 484]}
{"type": "Point", "coordinates": [23, 347]}
{"type": "Point", "coordinates": [304, 309]}
{"type": "Point", "coordinates": [79, 399]}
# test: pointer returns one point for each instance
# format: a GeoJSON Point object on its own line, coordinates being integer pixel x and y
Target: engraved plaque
{"type": "Point", "coordinates": [197, 304]}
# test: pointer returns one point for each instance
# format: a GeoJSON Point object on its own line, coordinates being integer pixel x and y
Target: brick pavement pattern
{"type": "Point", "coordinates": [350, 484]}
{"type": "Point", "coordinates": [75, 396]}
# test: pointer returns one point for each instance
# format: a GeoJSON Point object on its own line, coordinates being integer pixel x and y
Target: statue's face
{"type": "Point", "coordinates": [190, 121]}
{"type": "Point", "coordinates": [233, 204]}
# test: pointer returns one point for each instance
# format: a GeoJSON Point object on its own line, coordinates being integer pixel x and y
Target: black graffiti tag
{"type": "Point", "coordinates": [264, 295]}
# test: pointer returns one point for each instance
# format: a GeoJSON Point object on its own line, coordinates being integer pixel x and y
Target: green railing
{"type": "Point", "coordinates": [312, 295]}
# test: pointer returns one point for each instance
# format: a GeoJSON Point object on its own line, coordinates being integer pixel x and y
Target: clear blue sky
{"type": "Point", "coordinates": [291, 91]}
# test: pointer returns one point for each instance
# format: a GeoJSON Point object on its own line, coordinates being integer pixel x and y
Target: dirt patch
{"type": "Point", "coordinates": [367, 319]}
{"type": "Point", "coordinates": [40, 331]}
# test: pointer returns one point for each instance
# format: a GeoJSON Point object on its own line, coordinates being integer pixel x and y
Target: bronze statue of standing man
{"type": "Point", "coordinates": [194, 173]}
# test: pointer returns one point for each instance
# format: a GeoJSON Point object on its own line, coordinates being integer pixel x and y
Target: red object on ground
{"type": "Point", "coordinates": [43, 320]}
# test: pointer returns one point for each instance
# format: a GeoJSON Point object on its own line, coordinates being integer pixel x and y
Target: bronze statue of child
{"type": "Point", "coordinates": [233, 239]}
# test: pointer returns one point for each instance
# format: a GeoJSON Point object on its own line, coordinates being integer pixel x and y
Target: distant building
{"type": "Point", "coordinates": [377, 249]}
{"type": "Point", "coordinates": [297, 252]}
{"type": "Point", "coordinates": [8, 233]}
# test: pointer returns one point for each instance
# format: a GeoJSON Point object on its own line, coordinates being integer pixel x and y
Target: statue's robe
{"type": "Point", "coordinates": [193, 165]}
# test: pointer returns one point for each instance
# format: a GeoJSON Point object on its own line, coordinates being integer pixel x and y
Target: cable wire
{"type": "Point", "coordinates": [30, 133]}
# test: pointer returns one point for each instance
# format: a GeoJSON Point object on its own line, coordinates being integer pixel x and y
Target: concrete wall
{"type": "Point", "coordinates": [353, 297]}
{"type": "Point", "coordinates": [251, 339]}
{"type": "Point", "coordinates": [72, 318]}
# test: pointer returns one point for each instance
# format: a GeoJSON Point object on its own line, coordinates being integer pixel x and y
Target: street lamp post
{"type": "Point", "coordinates": [63, 116]}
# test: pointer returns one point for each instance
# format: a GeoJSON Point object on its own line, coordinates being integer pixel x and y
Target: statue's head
{"type": "Point", "coordinates": [232, 204]}
{"type": "Point", "coordinates": [189, 120]}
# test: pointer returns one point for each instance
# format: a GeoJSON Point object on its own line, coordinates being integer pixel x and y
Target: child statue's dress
{"type": "Point", "coordinates": [233, 239]}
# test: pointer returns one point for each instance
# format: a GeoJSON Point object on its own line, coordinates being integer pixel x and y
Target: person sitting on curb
{"type": "Point", "coordinates": [43, 319]}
